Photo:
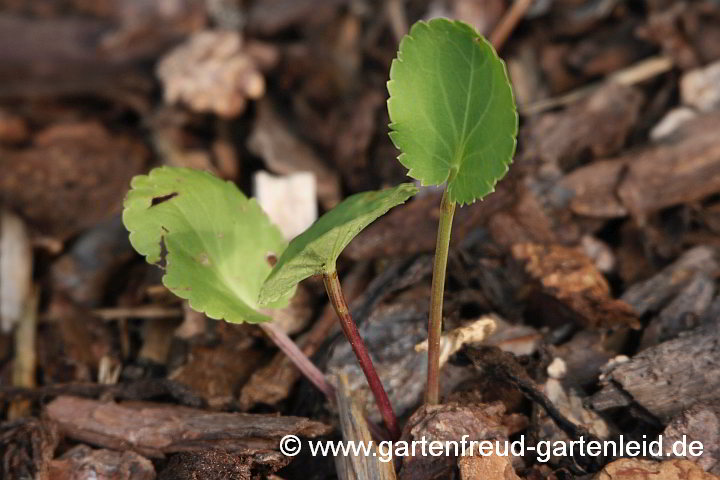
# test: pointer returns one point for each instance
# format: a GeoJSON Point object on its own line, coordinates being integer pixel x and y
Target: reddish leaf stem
{"type": "Point", "coordinates": [334, 291]}
{"type": "Point", "coordinates": [298, 358]}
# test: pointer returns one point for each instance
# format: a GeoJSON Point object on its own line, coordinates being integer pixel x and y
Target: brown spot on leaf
{"type": "Point", "coordinates": [162, 199]}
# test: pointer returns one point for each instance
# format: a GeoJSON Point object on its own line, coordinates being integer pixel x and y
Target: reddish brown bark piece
{"type": "Point", "coordinates": [219, 465]}
{"type": "Point", "coordinates": [156, 429]}
{"type": "Point", "coordinates": [82, 462]}
{"type": "Point", "coordinates": [637, 469]}
{"type": "Point", "coordinates": [228, 373]}
{"type": "Point", "coordinates": [571, 277]}
{"type": "Point", "coordinates": [68, 169]}
{"type": "Point", "coordinates": [595, 127]}
{"type": "Point", "coordinates": [491, 467]}
{"type": "Point", "coordinates": [684, 169]}
{"type": "Point", "coordinates": [26, 448]}
{"type": "Point", "coordinates": [448, 422]}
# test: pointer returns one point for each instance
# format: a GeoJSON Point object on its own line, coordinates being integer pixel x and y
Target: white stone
{"type": "Point", "coordinates": [289, 200]}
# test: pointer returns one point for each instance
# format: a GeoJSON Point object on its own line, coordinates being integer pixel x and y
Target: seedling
{"type": "Point", "coordinates": [215, 245]}
{"type": "Point", "coordinates": [315, 252]}
{"type": "Point", "coordinates": [453, 117]}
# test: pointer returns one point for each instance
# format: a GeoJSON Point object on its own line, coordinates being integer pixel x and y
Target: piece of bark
{"type": "Point", "coordinates": [653, 293]}
{"type": "Point", "coordinates": [682, 169]}
{"type": "Point", "coordinates": [595, 127]}
{"type": "Point", "coordinates": [593, 189]}
{"type": "Point", "coordinates": [682, 313]}
{"type": "Point", "coordinates": [638, 469]}
{"type": "Point", "coordinates": [448, 422]}
{"type": "Point", "coordinates": [670, 377]}
{"type": "Point", "coordinates": [84, 463]}
{"type": "Point", "coordinates": [354, 427]}
{"type": "Point", "coordinates": [284, 153]}
{"type": "Point", "coordinates": [27, 447]}
{"type": "Point", "coordinates": [525, 222]}
{"type": "Point", "coordinates": [486, 467]}
{"type": "Point", "coordinates": [230, 366]}
{"type": "Point", "coordinates": [570, 277]}
{"type": "Point", "coordinates": [700, 423]}
{"type": "Point", "coordinates": [211, 72]}
{"type": "Point", "coordinates": [154, 430]}
{"type": "Point", "coordinates": [69, 167]}
{"type": "Point", "coordinates": [221, 465]}
{"type": "Point", "coordinates": [144, 389]}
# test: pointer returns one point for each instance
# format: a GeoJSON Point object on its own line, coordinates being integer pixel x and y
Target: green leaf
{"type": "Point", "coordinates": [214, 241]}
{"type": "Point", "coordinates": [452, 110]}
{"type": "Point", "coordinates": [316, 250]}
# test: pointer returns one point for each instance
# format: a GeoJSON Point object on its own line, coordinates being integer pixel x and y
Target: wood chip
{"type": "Point", "coordinates": [490, 467]}
{"type": "Point", "coordinates": [700, 423]}
{"type": "Point", "coordinates": [595, 127]}
{"type": "Point", "coordinates": [379, 465]}
{"type": "Point", "coordinates": [653, 293]}
{"type": "Point", "coordinates": [571, 277]}
{"type": "Point", "coordinates": [637, 469]}
{"type": "Point", "coordinates": [680, 170]}
{"type": "Point", "coordinates": [154, 430]}
{"type": "Point", "coordinates": [82, 462]}
{"type": "Point", "coordinates": [448, 422]}
{"type": "Point", "coordinates": [670, 377]}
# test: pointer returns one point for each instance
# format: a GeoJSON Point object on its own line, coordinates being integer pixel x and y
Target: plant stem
{"type": "Point", "coordinates": [447, 211]}
{"type": "Point", "coordinates": [334, 291]}
{"type": "Point", "coordinates": [298, 358]}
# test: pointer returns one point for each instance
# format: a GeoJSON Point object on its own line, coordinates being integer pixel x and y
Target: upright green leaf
{"type": "Point", "coordinates": [316, 250]}
{"type": "Point", "coordinates": [452, 110]}
{"type": "Point", "coordinates": [213, 240]}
